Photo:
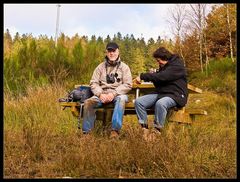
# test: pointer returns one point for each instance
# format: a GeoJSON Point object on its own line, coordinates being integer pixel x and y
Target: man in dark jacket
{"type": "Point", "coordinates": [170, 82]}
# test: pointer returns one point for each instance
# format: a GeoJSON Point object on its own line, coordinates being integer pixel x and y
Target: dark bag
{"type": "Point", "coordinates": [79, 94]}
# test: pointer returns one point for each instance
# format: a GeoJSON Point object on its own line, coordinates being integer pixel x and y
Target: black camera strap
{"type": "Point", "coordinates": [118, 64]}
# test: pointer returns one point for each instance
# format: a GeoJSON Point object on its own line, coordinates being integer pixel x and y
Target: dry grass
{"type": "Point", "coordinates": [42, 141]}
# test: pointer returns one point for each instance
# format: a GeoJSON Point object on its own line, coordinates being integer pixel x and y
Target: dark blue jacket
{"type": "Point", "coordinates": [170, 80]}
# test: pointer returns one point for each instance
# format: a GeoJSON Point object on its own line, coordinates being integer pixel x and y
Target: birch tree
{"type": "Point", "coordinates": [197, 19]}
{"type": "Point", "coordinates": [205, 40]}
{"type": "Point", "coordinates": [229, 32]}
{"type": "Point", "coordinates": [178, 15]}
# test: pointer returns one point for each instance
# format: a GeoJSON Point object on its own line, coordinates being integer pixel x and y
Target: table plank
{"type": "Point", "coordinates": [149, 85]}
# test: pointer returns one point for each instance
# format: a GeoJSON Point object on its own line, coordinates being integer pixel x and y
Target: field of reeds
{"type": "Point", "coordinates": [43, 141]}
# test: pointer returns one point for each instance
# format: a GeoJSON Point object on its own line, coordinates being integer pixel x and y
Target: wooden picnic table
{"type": "Point", "coordinates": [180, 115]}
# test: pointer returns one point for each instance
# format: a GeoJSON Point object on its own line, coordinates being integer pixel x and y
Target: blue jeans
{"type": "Point", "coordinates": [161, 107]}
{"type": "Point", "coordinates": [89, 112]}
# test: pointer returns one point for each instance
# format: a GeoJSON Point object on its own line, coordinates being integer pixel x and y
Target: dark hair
{"type": "Point", "coordinates": [163, 53]}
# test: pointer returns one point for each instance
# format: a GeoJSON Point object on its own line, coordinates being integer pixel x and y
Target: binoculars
{"type": "Point", "coordinates": [111, 78]}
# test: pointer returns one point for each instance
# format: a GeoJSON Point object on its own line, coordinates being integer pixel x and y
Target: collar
{"type": "Point", "coordinates": [116, 62]}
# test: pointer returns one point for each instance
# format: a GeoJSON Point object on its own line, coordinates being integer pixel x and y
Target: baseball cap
{"type": "Point", "coordinates": [112, 45]}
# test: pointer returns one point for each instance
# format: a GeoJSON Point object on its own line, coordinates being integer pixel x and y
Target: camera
{"type": "Point", "coordinates": [111, 78]}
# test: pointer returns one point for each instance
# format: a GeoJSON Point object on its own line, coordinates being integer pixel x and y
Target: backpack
{"type": "Point", "coordinates": [79, 94]}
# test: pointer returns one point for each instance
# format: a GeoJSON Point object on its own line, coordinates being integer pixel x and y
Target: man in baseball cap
{"type": "Point", "coordinates": [110, 83]}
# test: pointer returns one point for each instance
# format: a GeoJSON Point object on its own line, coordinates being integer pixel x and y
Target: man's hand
{"type": "Point", "coordinates": [106, 98]}
{"type": "Point", "coordinates": [137, 80]}
{"type": "Point", "coordinates": [110, 97]}
{"type": "Point", "coordinates": [103, 98]}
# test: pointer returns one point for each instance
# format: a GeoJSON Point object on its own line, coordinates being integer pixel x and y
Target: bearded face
{"type": "Point", "coordinates": [112, 54]}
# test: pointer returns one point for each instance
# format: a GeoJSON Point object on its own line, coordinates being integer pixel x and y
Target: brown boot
{"type": "Point", "coordinates": [114, 134]}
{"type": "Point", "coordinates": [155, 133]}
{"type": "Point", "coordinates": [145, 133]}
{"type": "Point", "coordinates": [150, 135]}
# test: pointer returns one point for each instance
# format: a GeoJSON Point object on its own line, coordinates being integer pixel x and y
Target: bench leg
{"type": "Point", "coordinates": [104, 118]}
{"type": "Point", "coordinates": [180, 117]}
{"type": "Point", "coordinates": [108, 118]}
{"type": "Point", "coordinates": [193, 117]}
{"type": "Point", "coordinates": [105, 115]}
{"type": "Point", "coordinates": [75, 111]}
{"type": "Point", "coordinates": [80, 115]}
{"type": "Point", "coordinates": [79, 121]}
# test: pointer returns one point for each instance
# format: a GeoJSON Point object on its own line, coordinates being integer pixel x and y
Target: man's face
{"type": "Point", "coordinates": [112, 54]}
{"type": "Point", "coordinates": [161, 62]}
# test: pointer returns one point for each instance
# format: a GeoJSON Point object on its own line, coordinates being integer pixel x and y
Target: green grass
{"type": "Point", "coordinates": [221, 77]}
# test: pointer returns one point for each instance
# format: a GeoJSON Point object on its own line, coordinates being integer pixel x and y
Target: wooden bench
{"type": "Point", "coordinates": [180, 115]}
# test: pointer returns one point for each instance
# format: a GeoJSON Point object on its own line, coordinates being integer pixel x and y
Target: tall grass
{"type": "Point", "coordinates": [221, 77]}
{"type": "Point", "coordinates": [42, 141]}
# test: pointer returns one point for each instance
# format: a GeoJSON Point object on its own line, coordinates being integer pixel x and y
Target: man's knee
{"type": "Point", "coordinates": [122, 98]}
{"type": "Point", "coordinates": [160, 104]}
{"type": "Point", "coordinates": [137, 102]}
{"type": "Point", "coordinates": [165, 103]}
{"type": "Point", "coordinates": [90, 102]}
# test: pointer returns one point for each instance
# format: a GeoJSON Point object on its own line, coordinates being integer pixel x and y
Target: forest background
{"type": "Point", "coordinates": [37, 72]}
{"type": "Point", "coordinates": [198, 39]}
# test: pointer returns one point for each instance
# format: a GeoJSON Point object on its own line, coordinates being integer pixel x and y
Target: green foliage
{"type": "Point", "coordinates": [30, 61]}
{"type": "Point", "coordinates": [221, 77]}
{"type": "Point", "coordinates": [137, 66]}
{"type": "Point", "coordinates": [222, 67]}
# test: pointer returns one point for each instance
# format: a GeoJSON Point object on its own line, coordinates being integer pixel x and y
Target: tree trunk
{"type": "Point", "coordinates": [229, 32]}
{"type": "Point", "coordinates": [206, 52]}
{"type": "Point", "coordinates": [200, 49]}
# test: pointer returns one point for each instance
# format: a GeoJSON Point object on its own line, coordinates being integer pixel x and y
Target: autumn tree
{"type": "Point", "coordinates": [218, 31]}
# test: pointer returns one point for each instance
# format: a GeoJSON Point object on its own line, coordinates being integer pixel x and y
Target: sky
{"type": "Point", "coordinates": [141, 20]}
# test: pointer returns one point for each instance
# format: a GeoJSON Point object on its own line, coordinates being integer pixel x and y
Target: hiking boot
{"type": "Point", "coordinates": [86, 136]}
{"type": "Point", "coordinates": [145, 133]}
{"type": "Point", "coordinates": [150, 135]}
{"type": "Point", "coordinates": [144, 126]}
{"type": "Point", "coordinates": [114, 134]}
{"type": "Point", "coordinates": [158, 130]}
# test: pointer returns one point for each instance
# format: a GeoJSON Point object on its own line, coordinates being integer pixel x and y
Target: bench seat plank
{"type": "Point", "coordinates": [182, 115]}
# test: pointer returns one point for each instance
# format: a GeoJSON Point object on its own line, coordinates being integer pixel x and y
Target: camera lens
{"type": "Point", "coordinates": [110, 78]}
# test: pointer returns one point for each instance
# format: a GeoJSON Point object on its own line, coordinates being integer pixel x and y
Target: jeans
{"type": "Point", "coordinates": [89, 112]}
{"type": "Point", "coordinates": [161, 107]}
